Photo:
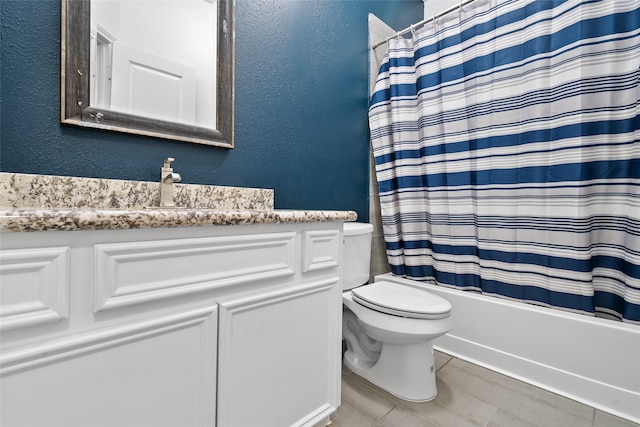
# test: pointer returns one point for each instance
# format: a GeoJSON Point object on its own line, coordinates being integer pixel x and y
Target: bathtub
{"type": "Point", "coordinates": [591, 360]}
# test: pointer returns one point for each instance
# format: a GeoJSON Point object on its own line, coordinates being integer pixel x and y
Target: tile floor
{"type": "Point", "coordinates": [468, 395]}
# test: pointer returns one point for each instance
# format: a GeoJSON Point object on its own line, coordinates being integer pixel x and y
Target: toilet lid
{"type": "Point", "coordinates": [401, 300]}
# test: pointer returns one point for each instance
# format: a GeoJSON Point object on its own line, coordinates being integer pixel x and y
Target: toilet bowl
{"type": "Point", "coordinates": [389, 327]}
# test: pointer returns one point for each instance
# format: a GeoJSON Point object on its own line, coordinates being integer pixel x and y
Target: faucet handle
{"type": "Point", "coordinates": [167, 162]}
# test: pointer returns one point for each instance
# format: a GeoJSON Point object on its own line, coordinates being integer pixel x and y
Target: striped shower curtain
{"type": "Point", "coordinates": [506, 144]}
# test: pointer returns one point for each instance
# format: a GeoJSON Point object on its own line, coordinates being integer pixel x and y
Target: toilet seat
{"type": "Point", "coordinates": [401, 300]}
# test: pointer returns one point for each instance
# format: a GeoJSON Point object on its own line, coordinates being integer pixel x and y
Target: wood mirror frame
{"type": "Point", "coordinates": [75, 76]}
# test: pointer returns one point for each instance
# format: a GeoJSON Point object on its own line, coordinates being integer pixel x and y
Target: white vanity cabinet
{"type": "Point", "coordinates": [228, 326]}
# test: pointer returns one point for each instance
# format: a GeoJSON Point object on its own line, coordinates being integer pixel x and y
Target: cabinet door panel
{"type": "Point", "coordinates": [279, 356]}
{"type": "Point", "coordinates": [157, 372]}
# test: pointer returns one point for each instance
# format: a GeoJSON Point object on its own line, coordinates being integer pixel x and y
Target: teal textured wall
{"type": "Point", "coordinates": [301, 105]}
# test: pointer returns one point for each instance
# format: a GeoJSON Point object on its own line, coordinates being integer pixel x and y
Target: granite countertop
{"type": "Point", "coordinates": [17, 220]}
{"type": "Point", "coordinates": [60, 203]}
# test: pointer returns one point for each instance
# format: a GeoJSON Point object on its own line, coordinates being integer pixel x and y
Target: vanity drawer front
{"type": "Point", "coordinates": [34, 284]}
{"type": "Point", "coordinates": [138, 272]}
{"type": "Point", "coordinates": [320, 250]}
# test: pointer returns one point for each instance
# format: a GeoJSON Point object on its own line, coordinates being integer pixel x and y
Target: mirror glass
{"type": "Point", "coordinates": [154, 67]}
{"type": "Point", "coordinates": [155, 59]}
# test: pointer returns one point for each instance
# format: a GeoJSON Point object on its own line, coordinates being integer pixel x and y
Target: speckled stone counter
{"type": "Point", "coordinates": [103, 219]}
{"type": "Point", "coordinates": [25, 191]}
{"type": "Point", "coordinates": [50, 203]}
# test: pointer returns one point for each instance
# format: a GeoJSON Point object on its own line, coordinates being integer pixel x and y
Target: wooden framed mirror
{"type": "Point", "coordinates": [84, 104]}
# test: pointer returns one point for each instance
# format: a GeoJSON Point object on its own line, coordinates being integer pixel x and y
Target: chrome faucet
{"type": "Point", "coordinates": [167, 178]}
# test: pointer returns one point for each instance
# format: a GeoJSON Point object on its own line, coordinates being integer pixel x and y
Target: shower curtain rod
{"type": "Point", "coordinates": [424, 21]}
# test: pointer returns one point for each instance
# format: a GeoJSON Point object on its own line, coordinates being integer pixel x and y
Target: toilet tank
{"type": "Point", "coordinates": [357, 254]}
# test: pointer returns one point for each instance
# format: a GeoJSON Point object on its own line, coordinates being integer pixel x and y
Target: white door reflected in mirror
{"type": "Point", "coordinates": [155, 59]}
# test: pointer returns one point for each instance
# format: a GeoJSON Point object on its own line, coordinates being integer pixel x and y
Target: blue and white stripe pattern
{"type": "Point", "coordinates": [506, 141]}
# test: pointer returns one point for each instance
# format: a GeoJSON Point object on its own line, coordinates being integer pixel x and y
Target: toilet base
{"type": "Point", "coordinates": [404, 370]}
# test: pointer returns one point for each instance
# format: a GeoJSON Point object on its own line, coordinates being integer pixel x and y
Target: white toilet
{"type": "Point", "coordinates": [389, 327]}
